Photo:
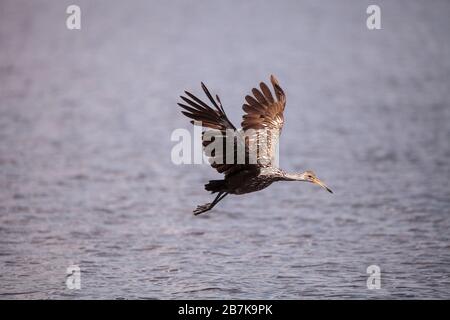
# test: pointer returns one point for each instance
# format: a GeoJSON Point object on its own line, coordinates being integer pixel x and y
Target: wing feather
{"type": "Point", "coordinates": [213, 118]}
{"type": "Point", "coordinates": [265, 115]}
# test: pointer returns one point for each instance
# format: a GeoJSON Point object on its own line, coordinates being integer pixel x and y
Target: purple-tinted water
{"type": "Point", "coordinates": [86, 176]}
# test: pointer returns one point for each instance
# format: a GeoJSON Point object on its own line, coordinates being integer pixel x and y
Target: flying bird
{"type": "Point", "coordinates": [263, 113]}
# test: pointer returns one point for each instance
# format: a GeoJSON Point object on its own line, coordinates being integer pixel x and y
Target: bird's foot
{"type": "Point", "coordinates": [202, 208]}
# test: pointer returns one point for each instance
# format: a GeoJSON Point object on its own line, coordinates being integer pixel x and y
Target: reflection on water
{"type": "Point", "coordinates": [85, 171]}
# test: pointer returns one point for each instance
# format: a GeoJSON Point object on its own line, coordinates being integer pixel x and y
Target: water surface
{"type": "Point", "coordinates": [86, 176]}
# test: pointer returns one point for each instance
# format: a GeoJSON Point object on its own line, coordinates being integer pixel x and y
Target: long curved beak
{"type": "Point", "coordinates": [323, 185]}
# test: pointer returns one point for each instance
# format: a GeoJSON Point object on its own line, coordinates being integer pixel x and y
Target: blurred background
{"type": "Point", "coordinates": [86, 176]}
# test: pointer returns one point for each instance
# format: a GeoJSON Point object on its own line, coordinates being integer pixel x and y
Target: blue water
{"type": "Point", "coordinates": [86, 176]}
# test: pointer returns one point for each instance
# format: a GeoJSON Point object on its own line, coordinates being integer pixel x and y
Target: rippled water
{"type": "Point", "coordinates": [86, 176]}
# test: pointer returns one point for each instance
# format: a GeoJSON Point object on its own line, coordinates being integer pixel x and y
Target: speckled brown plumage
{"type": "Point", "coordinates": [263, 115]}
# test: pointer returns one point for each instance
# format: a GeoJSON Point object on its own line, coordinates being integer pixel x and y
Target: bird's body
{"type": "Point", "coordinates": [261, 125]}
{"type": "Point", "coordinates": [250, 180]}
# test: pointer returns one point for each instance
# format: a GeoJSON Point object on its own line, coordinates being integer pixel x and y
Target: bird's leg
{"type": "Point", "coordinates": [208, 206]}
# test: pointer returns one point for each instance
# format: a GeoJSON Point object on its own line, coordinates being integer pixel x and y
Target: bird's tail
{"type": "Point", "coordinates": [215, 186]}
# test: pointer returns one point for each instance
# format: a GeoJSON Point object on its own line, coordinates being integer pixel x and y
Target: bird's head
{"type": "Point", "coordinates": [310, 176]}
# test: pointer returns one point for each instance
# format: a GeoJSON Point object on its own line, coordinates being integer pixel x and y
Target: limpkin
{"type": "Point", "coordinates": [262, 112]}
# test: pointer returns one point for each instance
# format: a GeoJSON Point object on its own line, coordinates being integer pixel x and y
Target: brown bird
{"type": "Point", "coordinates": [263, 115]}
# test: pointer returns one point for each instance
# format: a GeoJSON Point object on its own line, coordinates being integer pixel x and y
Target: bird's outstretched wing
{"type": "Point", "coordinates": [219, 126]}
{"type": "Point", "coordinates": [200, 111]}
{"type": "Point", "coordinates": [264, 116]}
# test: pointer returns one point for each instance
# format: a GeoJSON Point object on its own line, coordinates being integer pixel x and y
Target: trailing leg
{"type": "Point", "coordinates": [208, 206]}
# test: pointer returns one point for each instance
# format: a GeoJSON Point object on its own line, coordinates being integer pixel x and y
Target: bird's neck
{"type": "Point", "coordinates": [292, 176]}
